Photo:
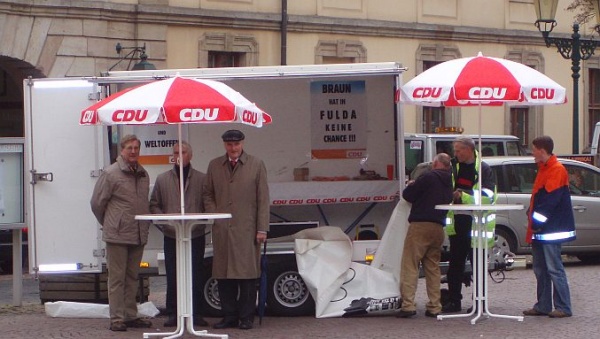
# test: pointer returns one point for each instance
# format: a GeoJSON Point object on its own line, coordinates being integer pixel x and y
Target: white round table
{"type": "Point", "coordinates": [480, 266]}
{"type": "Point", "coordinates": [183, 224]}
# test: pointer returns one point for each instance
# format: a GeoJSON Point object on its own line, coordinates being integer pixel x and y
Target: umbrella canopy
{"type": "Point", "coordinates": [175, 100]}
{"type": "Point", "coordinates": [483, 81]}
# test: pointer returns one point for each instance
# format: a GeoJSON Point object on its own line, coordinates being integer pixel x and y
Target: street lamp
{"type": "Point", "coordinates": [575, 49]}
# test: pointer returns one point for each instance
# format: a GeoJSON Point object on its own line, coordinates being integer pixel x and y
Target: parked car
{"type": "Point", "coordinates": [6, 251]}
{"type": "Point", "coordinates": [515, 177]}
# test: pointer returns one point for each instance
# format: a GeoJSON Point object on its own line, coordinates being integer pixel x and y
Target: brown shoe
{"type": "Point", "coordinates": [533, 312]}
{"type": "Point", "coordinates": [118, 326]}
{"type": "Point", "coordinates": [139, 323]}
{"type": "Point", "coordinates": [558, 314]}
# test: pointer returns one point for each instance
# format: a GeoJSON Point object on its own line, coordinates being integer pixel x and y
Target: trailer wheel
{"type": "Point", "coordinates": [287, 293]}
{"type": "Point", "coordinates": [211, 304]}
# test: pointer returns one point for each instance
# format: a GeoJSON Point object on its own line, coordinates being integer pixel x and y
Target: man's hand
{"type": "Point", "coordinates": [261, 237]}
{"type": "Point", "coordinates": [457, 196]}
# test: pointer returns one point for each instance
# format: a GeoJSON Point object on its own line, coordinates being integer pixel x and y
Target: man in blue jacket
{"type": "Point", "coordinates": [551, 223]}
{"type": "Point", "coordinates": [425, 236]}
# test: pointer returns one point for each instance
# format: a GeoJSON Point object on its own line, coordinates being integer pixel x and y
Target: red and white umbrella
{"type": "Point", "coordinates": [483, 81]}
{"type": "Point", "coordinates": [175, 100]}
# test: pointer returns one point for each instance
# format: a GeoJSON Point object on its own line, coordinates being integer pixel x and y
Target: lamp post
{"type": "Point", "coordinates": [574, 48]}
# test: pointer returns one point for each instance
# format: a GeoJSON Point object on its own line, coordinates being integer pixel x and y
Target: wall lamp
{"type": "Point", "coordinates": [143, 64]}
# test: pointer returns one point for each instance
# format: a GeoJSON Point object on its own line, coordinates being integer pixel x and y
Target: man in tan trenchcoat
{"type": "Point", "coordinates": [236, 183]}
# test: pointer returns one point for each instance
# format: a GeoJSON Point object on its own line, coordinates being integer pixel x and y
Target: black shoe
{"type": "Point", "coordinates": [405, 314]}
{"type": "Point", "coordinates": [451, 307]}
{"type": "Point", "coordinates": [118, 326]}
{"type": "Point", "coordinates": [171, 321]}
{"type": "Point", "coordinates": [246, 325]}
{"type": "Point", "coordinates": [431, 314]}
{"type": "Point", "coordinates": [225, 324]}
{"type": "Point", "coordinates": [199, 321]}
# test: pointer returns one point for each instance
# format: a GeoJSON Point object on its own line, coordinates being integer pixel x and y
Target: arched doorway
{"type": "Point", "coordinates": [12, 73]}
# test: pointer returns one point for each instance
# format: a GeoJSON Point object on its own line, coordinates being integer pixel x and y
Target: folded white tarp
{"type": "Point", "coordinates": [67, 309]}
{"type": "Point", "coordinates": [341, 287]}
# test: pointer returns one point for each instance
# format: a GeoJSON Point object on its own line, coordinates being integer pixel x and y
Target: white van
{"type": "Point", "coordinates": [420, 148]}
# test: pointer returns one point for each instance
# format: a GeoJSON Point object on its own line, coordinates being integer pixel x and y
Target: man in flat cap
{"type": "Point", "coordinates": [236, 183]}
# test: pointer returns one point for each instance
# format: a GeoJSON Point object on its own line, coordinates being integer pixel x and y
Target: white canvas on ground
{"type": "Point", "coordinates": [67, 309]}
{"type": "Point", "coordinates": [341, 287]}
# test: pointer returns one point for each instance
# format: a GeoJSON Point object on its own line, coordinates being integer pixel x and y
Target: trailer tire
{"type": "Point", "coordinates": [210, 303]}
{"type": "Point", "coordinates": [287, 293]}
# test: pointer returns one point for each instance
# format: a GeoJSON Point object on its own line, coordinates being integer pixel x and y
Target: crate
{"type": "Point", "coordinates": [83, 287]}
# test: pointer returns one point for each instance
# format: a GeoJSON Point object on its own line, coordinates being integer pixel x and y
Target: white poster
{"type": "Point", "coordinates": [338, 119]}
{"type": "Point", "coordinates": [157, 143]}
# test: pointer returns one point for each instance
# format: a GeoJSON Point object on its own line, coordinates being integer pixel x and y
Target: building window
{"type": "Point", "coordinates": [594, 102]}
{"type": "Point", "coordinates": [519, 124]}
{"type": "Point", "coordinates": [429, 118]}
{"type": "Point", "coordinates": [433, 117]}
{"type": "Point", "coordinates": [227, 50]}
{"type": "Point", "coordinates": [525, 122]}
{"type": "Point", "coordinates": [340, 51]}
{"type": "Point", "coordinates": [224, 59]}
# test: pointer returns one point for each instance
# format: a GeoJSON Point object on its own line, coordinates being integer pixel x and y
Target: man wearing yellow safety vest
{"type": "Point", "coordinates": [465, 172]}
{"type": "Point", "coordinates": [551, 223]}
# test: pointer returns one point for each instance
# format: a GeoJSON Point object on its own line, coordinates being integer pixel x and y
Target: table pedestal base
{"type": "Point", "coordinates": [183, 224]}
{"type": "Point", "coordinates": [185, 322]}
{"type": "Point", "coordinates": [480, 272]}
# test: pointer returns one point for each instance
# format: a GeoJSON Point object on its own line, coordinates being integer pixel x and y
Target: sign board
{"type": "Point", "coordinates": [11, 183]}
{"type": "Point", "coordinates": [338, 119]}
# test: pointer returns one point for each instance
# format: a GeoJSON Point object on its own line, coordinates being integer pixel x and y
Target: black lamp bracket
{"type": "Point", "coordinates": [130, 55]}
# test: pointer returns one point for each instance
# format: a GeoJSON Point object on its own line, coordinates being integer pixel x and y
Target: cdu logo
{"type": "Point", "coordinates": [87, 117]}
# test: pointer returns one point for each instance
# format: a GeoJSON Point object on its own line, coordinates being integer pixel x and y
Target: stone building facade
{"type": "Point", "coordinates": [75, 38]}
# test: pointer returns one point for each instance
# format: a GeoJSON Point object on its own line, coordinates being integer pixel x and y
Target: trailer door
{"type": "Point", "coordinates": [63, 162]}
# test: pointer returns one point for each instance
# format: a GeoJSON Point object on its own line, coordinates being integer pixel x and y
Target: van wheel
{"type": "Point", "coordinates": [287, 293]}
{"type": "Point", "coordinates": [505, 241]}
{"type": "Point", "coordinates": [211, 304]}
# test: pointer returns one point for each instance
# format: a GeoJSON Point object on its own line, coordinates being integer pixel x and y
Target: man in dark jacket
{"type": "Point", "coordinates": [425, 235]}
{"type": "Point", "coordinates": [551, 223]}
{"type": "Point", "coordinates": [166, 198]}
{"type": "Point", "coordinates": [465, 172]}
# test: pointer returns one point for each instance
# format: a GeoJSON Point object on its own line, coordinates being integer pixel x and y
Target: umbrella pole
{"type": "Point", "coordinates": [181, 192]}
{"type": "Point", "coordinates": [479, 162]}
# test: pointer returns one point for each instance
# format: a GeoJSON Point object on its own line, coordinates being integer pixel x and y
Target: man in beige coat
{"type": "Point", "coordinates": [236, 183]}
{"type": "Point", "coordinates": [120, 194]}
{"type": "Point", "coordinates": [166, 198]}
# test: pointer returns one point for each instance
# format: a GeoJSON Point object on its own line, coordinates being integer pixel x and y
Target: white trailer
{"type": "Point", "coordinates": [332, 155]}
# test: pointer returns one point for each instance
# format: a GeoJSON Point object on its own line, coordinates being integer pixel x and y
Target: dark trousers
{"type": "Point", "coordinates": [198, 245]}
{"type": "Point", "coordinates": [234, 307]}
{"type": "Point", "coordinates": [460, 250]}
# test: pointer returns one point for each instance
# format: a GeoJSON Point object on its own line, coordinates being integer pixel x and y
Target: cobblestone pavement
{"type": "Point", "coordinates": [510, 297]}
